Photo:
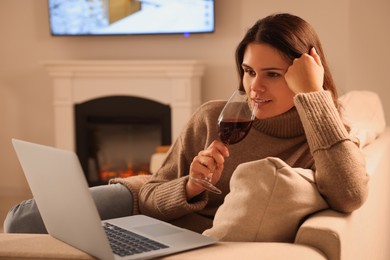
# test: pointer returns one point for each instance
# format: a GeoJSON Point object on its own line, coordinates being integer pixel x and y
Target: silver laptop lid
{"type": "Point", "coordinates": [56, 181]}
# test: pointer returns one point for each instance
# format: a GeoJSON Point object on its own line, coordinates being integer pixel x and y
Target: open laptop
{"type": "Point", "coordinates": [63, 198]}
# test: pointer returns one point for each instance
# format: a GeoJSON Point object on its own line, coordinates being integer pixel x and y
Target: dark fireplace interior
{"type": "Point", "coordinates": [116, 136]}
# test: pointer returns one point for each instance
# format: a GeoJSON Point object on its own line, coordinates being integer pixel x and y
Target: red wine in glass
{"type": "Point", "coordinates": [233, 130]}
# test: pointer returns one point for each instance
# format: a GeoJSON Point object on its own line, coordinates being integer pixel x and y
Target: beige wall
{"type": "Point", "coordinates": [355, 36]}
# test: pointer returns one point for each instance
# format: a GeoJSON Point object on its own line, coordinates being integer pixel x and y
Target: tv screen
{"type": "Point", "coordinates": [126, 17]}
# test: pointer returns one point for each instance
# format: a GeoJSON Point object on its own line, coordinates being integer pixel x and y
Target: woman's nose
{"type": "Point", "coordinates": [257, 85]}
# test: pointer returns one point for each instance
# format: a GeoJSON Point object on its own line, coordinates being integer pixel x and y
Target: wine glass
{"type": "Point", "coordinates": [234, 123]}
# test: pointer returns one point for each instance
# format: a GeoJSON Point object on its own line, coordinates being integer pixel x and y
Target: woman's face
{"type": "Point", "coordinates": [264, 68]}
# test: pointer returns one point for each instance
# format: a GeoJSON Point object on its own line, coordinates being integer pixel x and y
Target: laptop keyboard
{"type": "Point", "coordinates": [124, 242]}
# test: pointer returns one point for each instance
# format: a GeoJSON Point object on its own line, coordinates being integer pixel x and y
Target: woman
{"type": "Point", "coordinates": [283, 70]}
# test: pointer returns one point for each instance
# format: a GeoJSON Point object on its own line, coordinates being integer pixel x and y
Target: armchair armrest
{"type": "Point", "coordinates": [362, 234]}
{"type": "Point", "coordinates": [325, 231]}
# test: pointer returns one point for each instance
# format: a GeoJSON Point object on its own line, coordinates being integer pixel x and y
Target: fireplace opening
{"type": "Point", "coordinates": [117, 135]}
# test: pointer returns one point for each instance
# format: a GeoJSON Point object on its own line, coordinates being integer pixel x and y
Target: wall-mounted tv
{"type": "Point", "coordinates": [127, 17]}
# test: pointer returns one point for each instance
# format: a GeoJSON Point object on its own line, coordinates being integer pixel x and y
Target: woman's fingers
{"type": "Point", "coordinates": [210, 160]}
{"type": "Point", "coordinates": [316, 57]}
{"type": "Point", "coordinates": [218, 151]}
{"type": "Point", "coordinates": [306, 74]}
{"type": "Point", "coordinates": [204, 162]}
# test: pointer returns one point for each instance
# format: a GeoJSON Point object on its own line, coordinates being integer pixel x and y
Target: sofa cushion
{"type": "Point", "coordinates": [268, 201]}
{"type": "Point", "coordinates": [363, 112]}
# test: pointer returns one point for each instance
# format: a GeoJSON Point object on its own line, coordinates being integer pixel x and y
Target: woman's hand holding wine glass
{"type": "Point", "coordinates": [208, 163]}
{"type": "Point", "coordinates": [234, 123]}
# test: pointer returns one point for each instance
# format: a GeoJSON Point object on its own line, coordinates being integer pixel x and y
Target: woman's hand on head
{"type": "Point", "coordinates": [210, 160]}
{"type": "Point", "coordinates": [306, 74]}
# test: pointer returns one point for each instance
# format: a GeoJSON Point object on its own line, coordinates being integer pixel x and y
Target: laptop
{"type": "Point", "coordinates": [60, 189]}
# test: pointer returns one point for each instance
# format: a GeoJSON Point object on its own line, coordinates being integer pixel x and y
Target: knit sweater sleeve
{"type": "Point", "coordinates": [164, 196]}
{"type": "Point", "coordinates": [340, 166]}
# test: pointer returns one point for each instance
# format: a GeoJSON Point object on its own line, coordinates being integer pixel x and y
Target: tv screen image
{"type": "Point", "coordinates": [126, 17]}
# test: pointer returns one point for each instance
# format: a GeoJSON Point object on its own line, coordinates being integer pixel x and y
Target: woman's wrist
{"type": "Point", "coordinates": [193, 189]}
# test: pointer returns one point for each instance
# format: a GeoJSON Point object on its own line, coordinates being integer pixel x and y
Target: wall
{"type": "Point", "coordinates": [354, 35]}
{"type": "Point", "coordinates": [369, 48]}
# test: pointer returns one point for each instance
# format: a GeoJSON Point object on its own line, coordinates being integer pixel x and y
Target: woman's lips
{"type": "Point", "coordinates": [261, 101]}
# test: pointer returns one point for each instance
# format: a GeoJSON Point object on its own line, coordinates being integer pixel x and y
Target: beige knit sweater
{"type": "Point", "coordinates": [311, 135]}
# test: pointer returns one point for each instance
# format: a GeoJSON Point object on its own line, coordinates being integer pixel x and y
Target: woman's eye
{"type": "Point", "coordinates": [249, 72]}
{"type": "Point", "coordinates": [273, 74]}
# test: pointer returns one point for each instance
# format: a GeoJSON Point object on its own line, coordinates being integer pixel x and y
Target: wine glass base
{"type": "Point", "coordinates": [207, 185]}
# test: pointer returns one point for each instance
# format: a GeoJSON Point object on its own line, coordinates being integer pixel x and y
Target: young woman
{"type": "Point", "coordinates": [283, 70]}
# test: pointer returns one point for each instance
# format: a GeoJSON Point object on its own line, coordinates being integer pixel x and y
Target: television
{"type": "Point", "coordinates": [130, 17]}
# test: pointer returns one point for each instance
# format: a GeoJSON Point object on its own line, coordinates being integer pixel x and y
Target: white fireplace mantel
{"type": "Point", "coordinates": [172, 82]}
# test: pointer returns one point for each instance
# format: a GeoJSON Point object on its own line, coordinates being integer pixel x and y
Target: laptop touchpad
{"type": "Point", "coordinates": [159, 229]}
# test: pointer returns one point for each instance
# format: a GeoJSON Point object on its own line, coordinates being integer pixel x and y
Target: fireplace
{"type": "Point", "coordinates": [117, 135]}
{"type": "Point", "coordinates": [114, 113]}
